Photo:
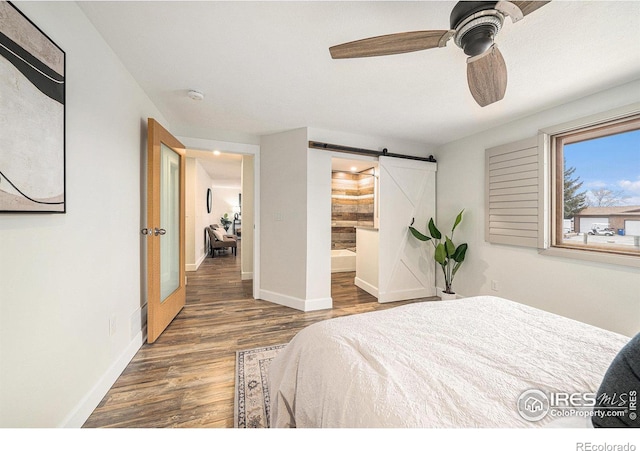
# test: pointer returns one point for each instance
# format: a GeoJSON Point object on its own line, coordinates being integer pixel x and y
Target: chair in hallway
{"type": "Point", "coordinates": [218, 239]}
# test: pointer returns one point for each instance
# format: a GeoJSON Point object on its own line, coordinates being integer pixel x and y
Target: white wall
{"type": "Point", "coordinates": [283, 218]}
{"type": "Point", "coordinates": [248, 205]}
{"type": "Point", "coordinates": [604, 295]}
{"type": "Point", "coordinates": [319, 229]}
{"type": "Point", "coordinates": [190, 213]}
{"type": "Point", "coordinates": [368, 260]}
{"type": "Point", "coordinates": [197, 218]}
{"type": "Point", "coordinates": [63, 277]}
{"type": "Point", "coordinates": [203, 219]}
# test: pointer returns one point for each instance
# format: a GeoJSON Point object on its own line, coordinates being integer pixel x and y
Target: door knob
{"type": "Point", "coordinates": [157, 231]}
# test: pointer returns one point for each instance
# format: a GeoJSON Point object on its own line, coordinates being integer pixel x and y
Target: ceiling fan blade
{"type": "Point", "coordinates": [527, 7]}
{"type": "Point", "coordinates": [487, 76]}
{"type": "Point", "coordinates": [392, 44]}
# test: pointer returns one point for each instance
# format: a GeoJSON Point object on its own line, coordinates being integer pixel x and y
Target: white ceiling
{"type": "Point", "coordinates": [264, 67]}
{"type": "Point", "coordinates": [343, 164]}
{"type": "Point", "coordinates": [224, 168]}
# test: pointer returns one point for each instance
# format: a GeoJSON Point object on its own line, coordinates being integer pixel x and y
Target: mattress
{"type": "Point", "coordinates": [443, 364]}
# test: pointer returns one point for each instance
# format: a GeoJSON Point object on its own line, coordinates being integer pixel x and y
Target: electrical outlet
{"type": "Point", "coordinates": [494, 285]}
{"type": "Point", "coordinates": [112, 325]}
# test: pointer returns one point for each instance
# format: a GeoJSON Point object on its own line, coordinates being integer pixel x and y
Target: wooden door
{"type": "Point", "coordinates": [166, 283]}
{"type": "Point", "coordinates": [406, 269]}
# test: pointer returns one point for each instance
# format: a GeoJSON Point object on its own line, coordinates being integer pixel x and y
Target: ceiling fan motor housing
{"type": "Point", "coordinates": [476, 24]}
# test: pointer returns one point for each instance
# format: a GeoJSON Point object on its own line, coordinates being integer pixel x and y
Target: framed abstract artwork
{"type": "Point", "coordinates": [32, 117]}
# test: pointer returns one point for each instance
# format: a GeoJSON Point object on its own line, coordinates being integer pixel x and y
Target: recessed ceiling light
{"type": "Point", "coordinates": [216, 152]}
{"type": "Point", "coordinates": [195, 95]}
{"type": "Point", "coordinates": [354, 169]}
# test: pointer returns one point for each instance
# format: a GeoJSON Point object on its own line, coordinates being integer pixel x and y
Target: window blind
{"type": "Point", "coordinates": [516, 195]}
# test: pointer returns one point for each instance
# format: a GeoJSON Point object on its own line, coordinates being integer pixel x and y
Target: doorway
{"type": "Point", "coordinates": [225, 181]}
{"type": "Point", "coordinates": [388, 265]}
{"type": "Point", "coordinates": [354, 206]}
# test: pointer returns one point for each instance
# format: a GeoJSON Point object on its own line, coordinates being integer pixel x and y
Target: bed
{"type": "Point", "coordinates": [461, 363]}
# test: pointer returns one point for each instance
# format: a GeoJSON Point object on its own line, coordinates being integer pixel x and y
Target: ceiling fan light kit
{"type": "Point", "coordinates": [475, 35]}
{"type": "Point", "coordinates": [474, 26]}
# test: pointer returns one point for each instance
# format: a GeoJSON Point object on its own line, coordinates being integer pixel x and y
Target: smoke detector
{"type": "Point", "coordinates": [195, 95]}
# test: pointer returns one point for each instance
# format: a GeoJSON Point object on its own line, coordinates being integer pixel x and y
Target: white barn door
{"type": "Point", "coordinates": [406, 265]}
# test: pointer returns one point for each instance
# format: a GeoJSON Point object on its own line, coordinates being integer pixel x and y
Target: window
{"type": "Point", "coordinates": [573, 191]}
{"type": "Point", "coordinates": [595, 187]}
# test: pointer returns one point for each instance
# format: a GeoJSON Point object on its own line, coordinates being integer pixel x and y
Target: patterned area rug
{"type": "Point", "coordinates": [252, 387]}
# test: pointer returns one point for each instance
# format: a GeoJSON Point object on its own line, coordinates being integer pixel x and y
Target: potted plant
{"type": "Point", "coordinates": [446, 254]}
{"type": "Point", "coordinates": [225, 221]}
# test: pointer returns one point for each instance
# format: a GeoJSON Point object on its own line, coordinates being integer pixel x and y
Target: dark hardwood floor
{"type": "Point", "coordinates": [186, 378]}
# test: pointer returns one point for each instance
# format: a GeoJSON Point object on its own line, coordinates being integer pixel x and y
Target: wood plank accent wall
{"type": "Point", "coordinates": [352, 204]}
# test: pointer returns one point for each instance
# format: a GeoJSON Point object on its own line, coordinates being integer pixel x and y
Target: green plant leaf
{"type": "Point", "coordinates": [449, 246]}
{"type": "Point", "coordinates": [440, 254]}
{"type": "Point", "coordinates": [460, 253]}
{"type": "Point", "coordinates": [433, 230]}
{"type": "Point", "coordinates": [418, 235]}
{"type": "Point", "coordinates": [455, 270]}
{"type": "Point", "coordinates": [458, 221]}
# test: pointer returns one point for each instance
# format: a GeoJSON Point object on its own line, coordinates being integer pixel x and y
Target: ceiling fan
{"type": "Point", "coordinates": [474, 26]}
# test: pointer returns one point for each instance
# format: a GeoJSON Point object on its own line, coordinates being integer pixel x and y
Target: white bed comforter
{"type": "Point", "coordinates": [460, 363]}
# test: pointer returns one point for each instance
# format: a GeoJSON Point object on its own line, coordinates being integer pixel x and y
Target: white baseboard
{"type": "Point", "coordinates": [366, 286]}
{"type": "Point", "coordinates": [305, 305]}
{"type": "Point", "coordinates": [336, 270]}
{"type": "Point", "coordinates": [246, 276]}
{"type": "Point", "coordinates": [196, 265]}
{"type": "Point", "coordinates": [200, 260]}
{"type": "Point", "coordinates": [90, 401]}
{"type": "Point", "coordinates": [318, 304]}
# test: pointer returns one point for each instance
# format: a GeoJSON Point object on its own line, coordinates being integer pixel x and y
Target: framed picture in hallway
{"type": "Point", "coordinates": [32, 114]}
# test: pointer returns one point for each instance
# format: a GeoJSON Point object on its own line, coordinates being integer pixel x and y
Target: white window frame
{"type": "Point", "coordinates": [553, 249]}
